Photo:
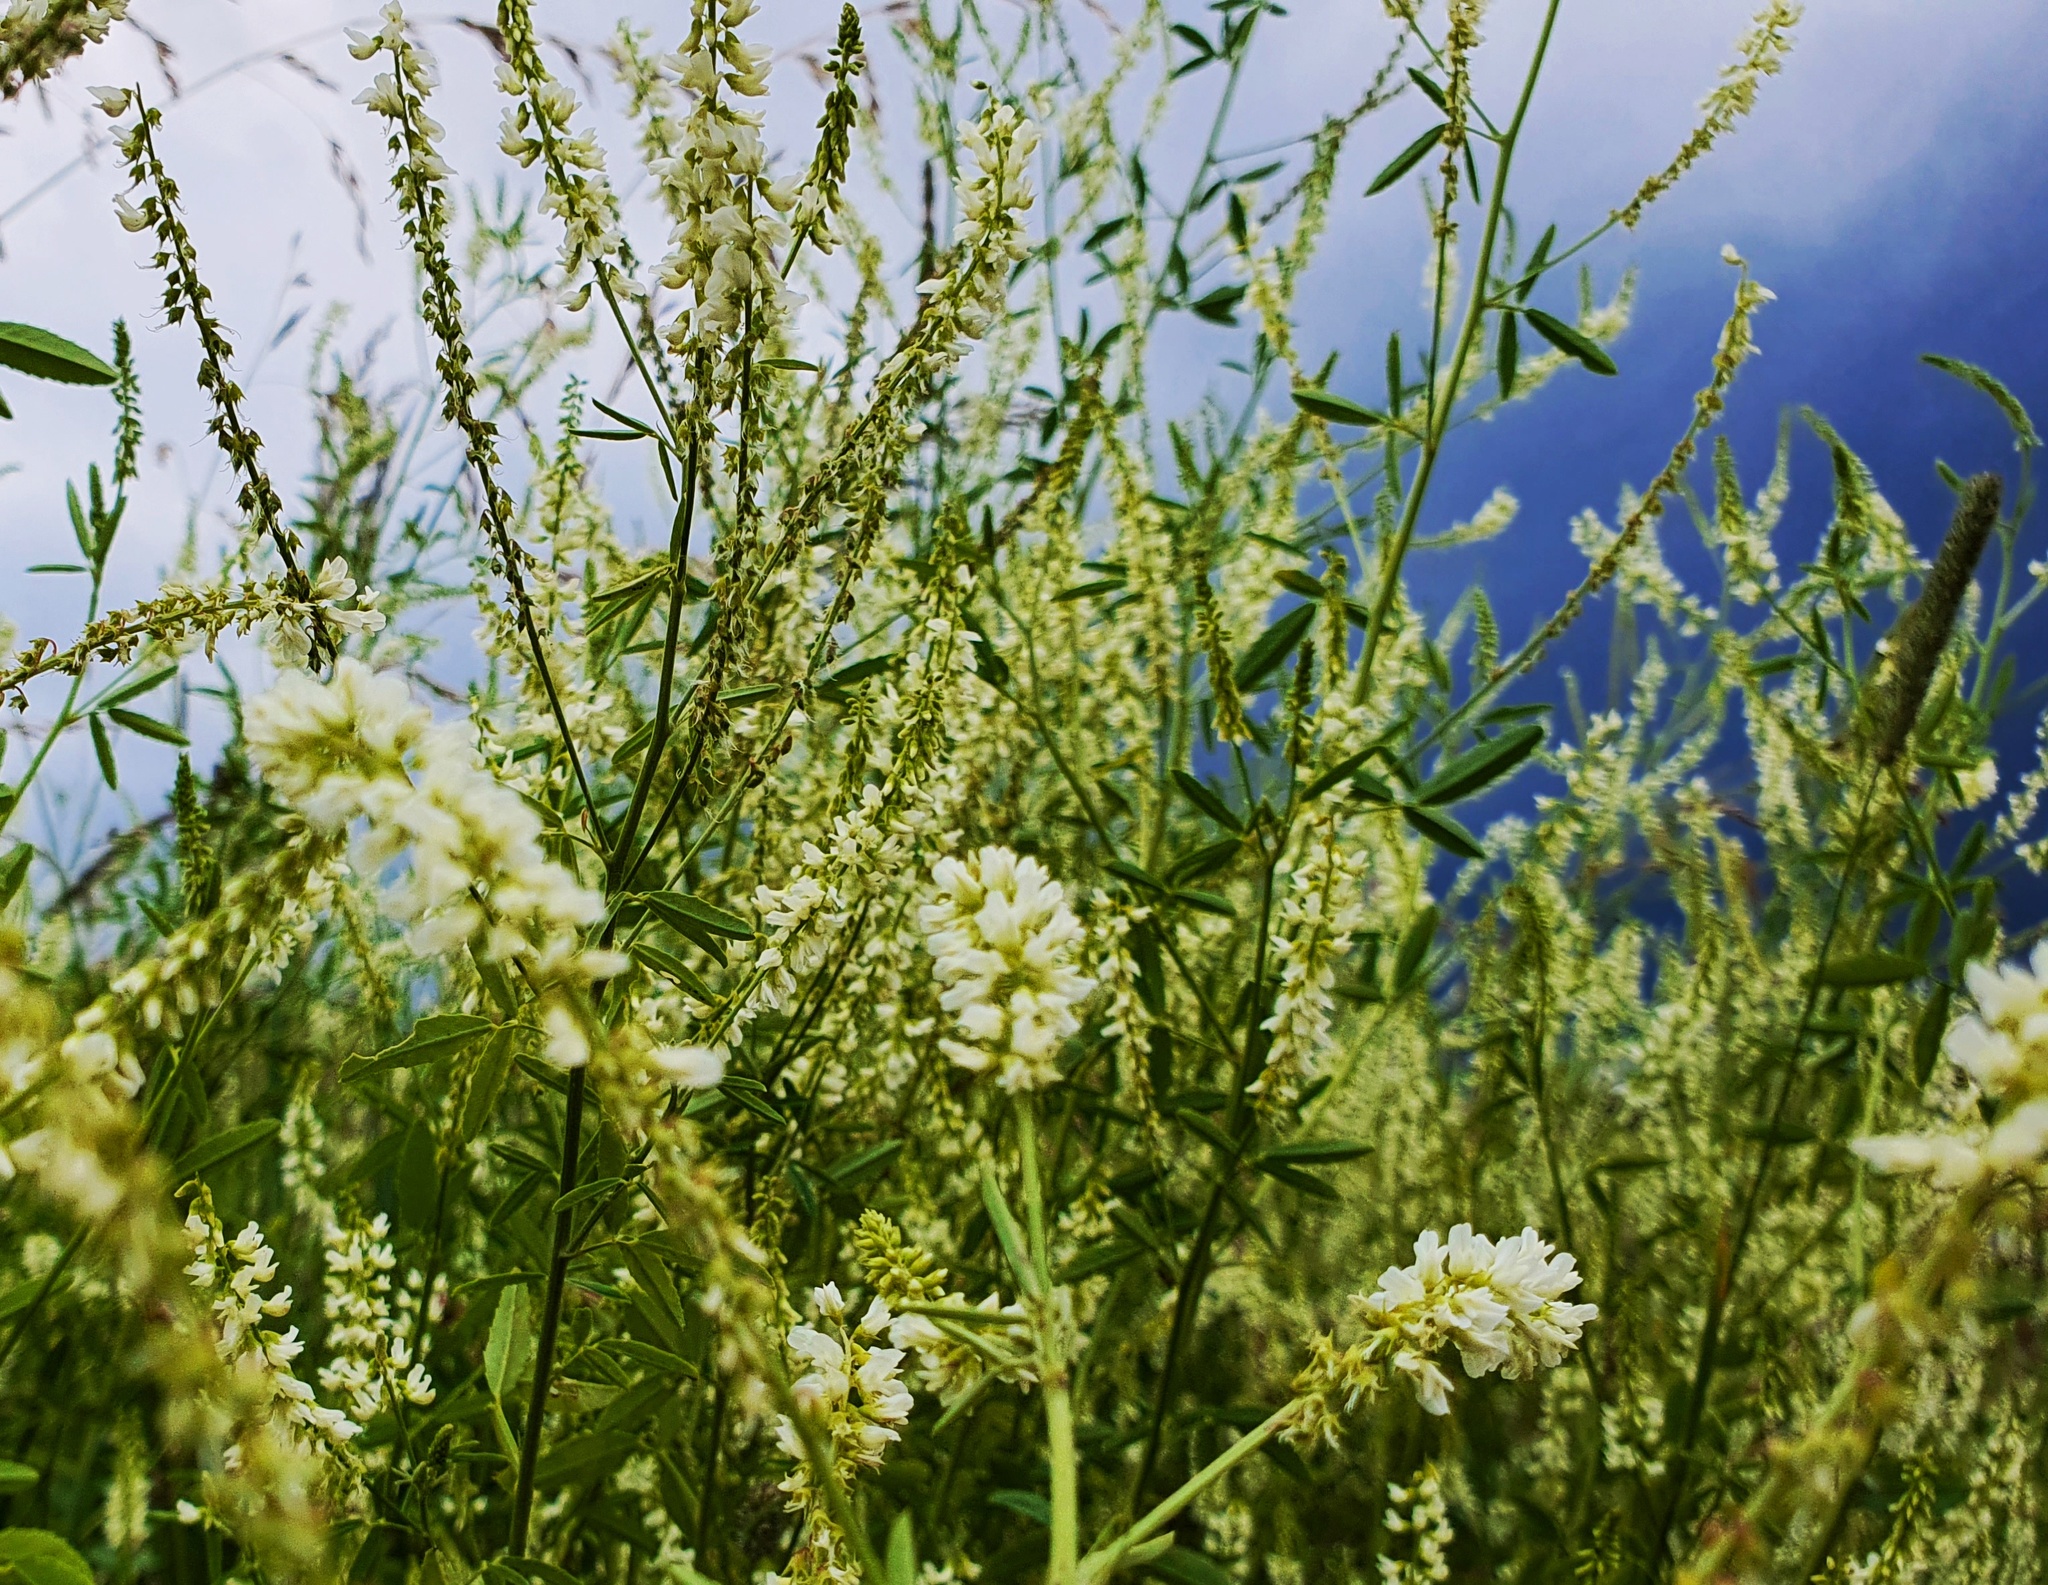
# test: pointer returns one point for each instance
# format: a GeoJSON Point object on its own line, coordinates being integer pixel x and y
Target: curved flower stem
{"type": "Point", "coordinates": [1101, 1563]}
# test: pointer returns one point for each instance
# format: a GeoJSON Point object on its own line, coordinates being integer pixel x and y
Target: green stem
{"type": "Point", "coordinates": [1098, 1565]}
{"type": "Point", "coordinates": [550, 1322]}
{"type": "Point", "coordinates": [1468, 334]}
{"type": "Point", "coordinates": [1054, 1366]}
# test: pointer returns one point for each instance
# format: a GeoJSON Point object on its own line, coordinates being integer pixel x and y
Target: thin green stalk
{"type": "Point", "coordinates": [550, 1322]}
{"type": "Point", "coordinates": [1101, 1563]}
{"type": "Point", "coordinates": [1056, 1382]}
{"type": "Point", "coordinates": [679, 553]}
{"type": "Point", "coordinates": [1439, 417]}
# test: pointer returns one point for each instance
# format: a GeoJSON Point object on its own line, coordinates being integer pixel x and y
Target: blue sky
{"type": "Point", "coordinates": [1890, 190]}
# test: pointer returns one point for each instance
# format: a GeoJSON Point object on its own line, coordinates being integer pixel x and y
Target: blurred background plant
{"type": "Point", "coordinates": [921, 1020]}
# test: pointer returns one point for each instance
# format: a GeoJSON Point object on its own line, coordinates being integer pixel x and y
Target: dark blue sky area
{"type": "Point", "coordinates": [1953, 268]}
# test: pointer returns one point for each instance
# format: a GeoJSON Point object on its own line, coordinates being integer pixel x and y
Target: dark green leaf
{"type": "Point", "coordinates": [486, 1084]}
{"type": "Point", "coordinates": [510, 1344]}
{"type": "Point", "coordinates": [1198, 793]}
{"type": "Point", "coordinates": [1206, 902]}
{"type": "Point", "coordinates": [540, 1569]}
{"type": "Point", "coordinates": [143, 726]}
{"type": "Point", "coordinates": [224, 1146]}
{"type": "Point", "coordinates": [1085, 591]}
{"type": "Point", "coordinates": [1028, 1503]}
{"type": "Point", "coordinates": [436, 1036]}
{"type": "Point", "coordinates": [584, 1193]}
{"type": "Point", "coordinates": [1371, 788]}
{"type": "Point", "coordinates": [902, 1558]}
{"type": "Point", "coordinates": [1507, 357]}
{"type": "Point", "coordinates": [1404, 162]}
{"type": "Point", "coordinates": [1334, 409]}
{"type": "Point", "coordinates": [103, 751]}
{"type": "Point", "coordinates": [675, 907]}
{"type": "Point", "coordinates": [1415, 943]}
{"type": "Point", "coordinates": [1302, 1182]}
{"type": "Point", "coordinates": [1318, 1150]}
{"type": "Point", "coordinates": [1184, 1567]}
{"type": "Point", "coordinates": [1220, 306]}
{"type": "Point", "coordinates": [1436, 94]}
{"type": "Point", "coordinates": [1098, 1258]}
{"type": "Point", "coordinates": [1204, 860]}
{"type": "Point", "coordinates": [133, 686]}
{"type": "Point", "coordinates": [1124, 870]}
{"type": "Point", "coordinates": [1570, 340]}
{"type": "Point", "coordinates": [1480, 766]}
{"type": "Point", "coordinates": [1008, 1234]}
{"type": "Point", "coordinates": [1928, 1031]}
{"type": "Point", "coordinates": [36, 1557]}
{"type": "Point", "coordinates": [1272, 647]}
{"type": "Point", "coordinates": [1858, 969]}
{"type": "Point", "coordinates": [14, 870]}
{"type": "Point", "coordinates": [1445, 832]}
{"type": "Point", "coordinates": [850, 1171]}
{"type": "Point", "coordinates": [674, 968]}
{"type": "Point", "coordinates": [1336, 773]}
{"type": "Point", "coordinates": [48, 356]}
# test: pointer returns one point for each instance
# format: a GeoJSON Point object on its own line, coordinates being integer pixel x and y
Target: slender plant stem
{"type": "Point", "coordinates": [1101, 1563]}
{"type": "Point", "coordinates": [1468, 334]}
{"type": "Point", "coordinates": [550, 1322]}
{"type": "Point", "coordinates": [1056, 1382]}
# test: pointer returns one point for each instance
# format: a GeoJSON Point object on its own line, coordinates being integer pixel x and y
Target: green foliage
{"type": "Point", "coordinates": [892, 1031]}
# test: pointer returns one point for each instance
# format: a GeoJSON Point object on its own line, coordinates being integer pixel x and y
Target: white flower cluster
{"type": "Point", "coordinates": [1002, 941]}
{"type": "Point", "coordinates": [1323, 906]}
{"type": "Point", "coordinates": [371, 1362]}
{"type": "Point", "coordinates": [232, 1273]}
{"type": "Point", "coordinates": [730, 234]}
{"type": "Point", "coordinates": [1501, 1305]}
{"type": "Point", "coordinates": [993, 196]}
{"type": "Point", "coordinates": [290, 643]}
{"type": "Point", "coordinates": [536, 127]}
{"type": "Point", "coordinates": [357, 748]}
{"type": "Point", "coordinates": [1419, 1510]}
{"type": "Point", "coordinates": [2003, 1049]}
{"type": "Point", "coordinates": [855, 1393]}
{"type": "Point", "coordinates": [38, 36]}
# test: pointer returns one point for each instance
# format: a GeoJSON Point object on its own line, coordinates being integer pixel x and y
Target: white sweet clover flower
{"type": "Point", "coordinates": [289, 640]}
{"type": "Point", "coordinates": [371, 1363]}
{"type": "Point", "coordinates": [536, 129]}
{"type": "Point", "coordinates": [232, 1273]}
{"type": "Point", "coordinates": [1002, 940]}
{"type": "Point", "coordinates": [355, 748]}
{"type": "Point", "coordinates": [1323, 906]}
{"type": "Point", "coordinates": [1419, 1510]}
{"type": "Point", "coordinates": [2003, 1050]}
{"type": "Point", "coordinates": [730, 237]}
{"type": "Point", "coordinates": [854, 1393]}
{"type": "Point", "coordinates": [993, 194]}
{"type": "Point", "coordinates": [1500, 1304]}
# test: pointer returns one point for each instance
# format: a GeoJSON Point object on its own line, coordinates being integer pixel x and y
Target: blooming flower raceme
{"type": "Point", "coordinates": [232, 1273]}
{"type": "Point", "coordinates": [372, 1363]}
{"type": "Point", "coordinates": [355, 748]}
{"type": "Point", "coordinates": [2003, 1050]}
{"type": "Point", "coordinates": [854, 1392]}
{"type": "Point", "coordinates": [1500, 1304]}
{"type": "Point", "coordinates": [1317, 917]}
{"type": "Point", "coordinates": [1002, 941]}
